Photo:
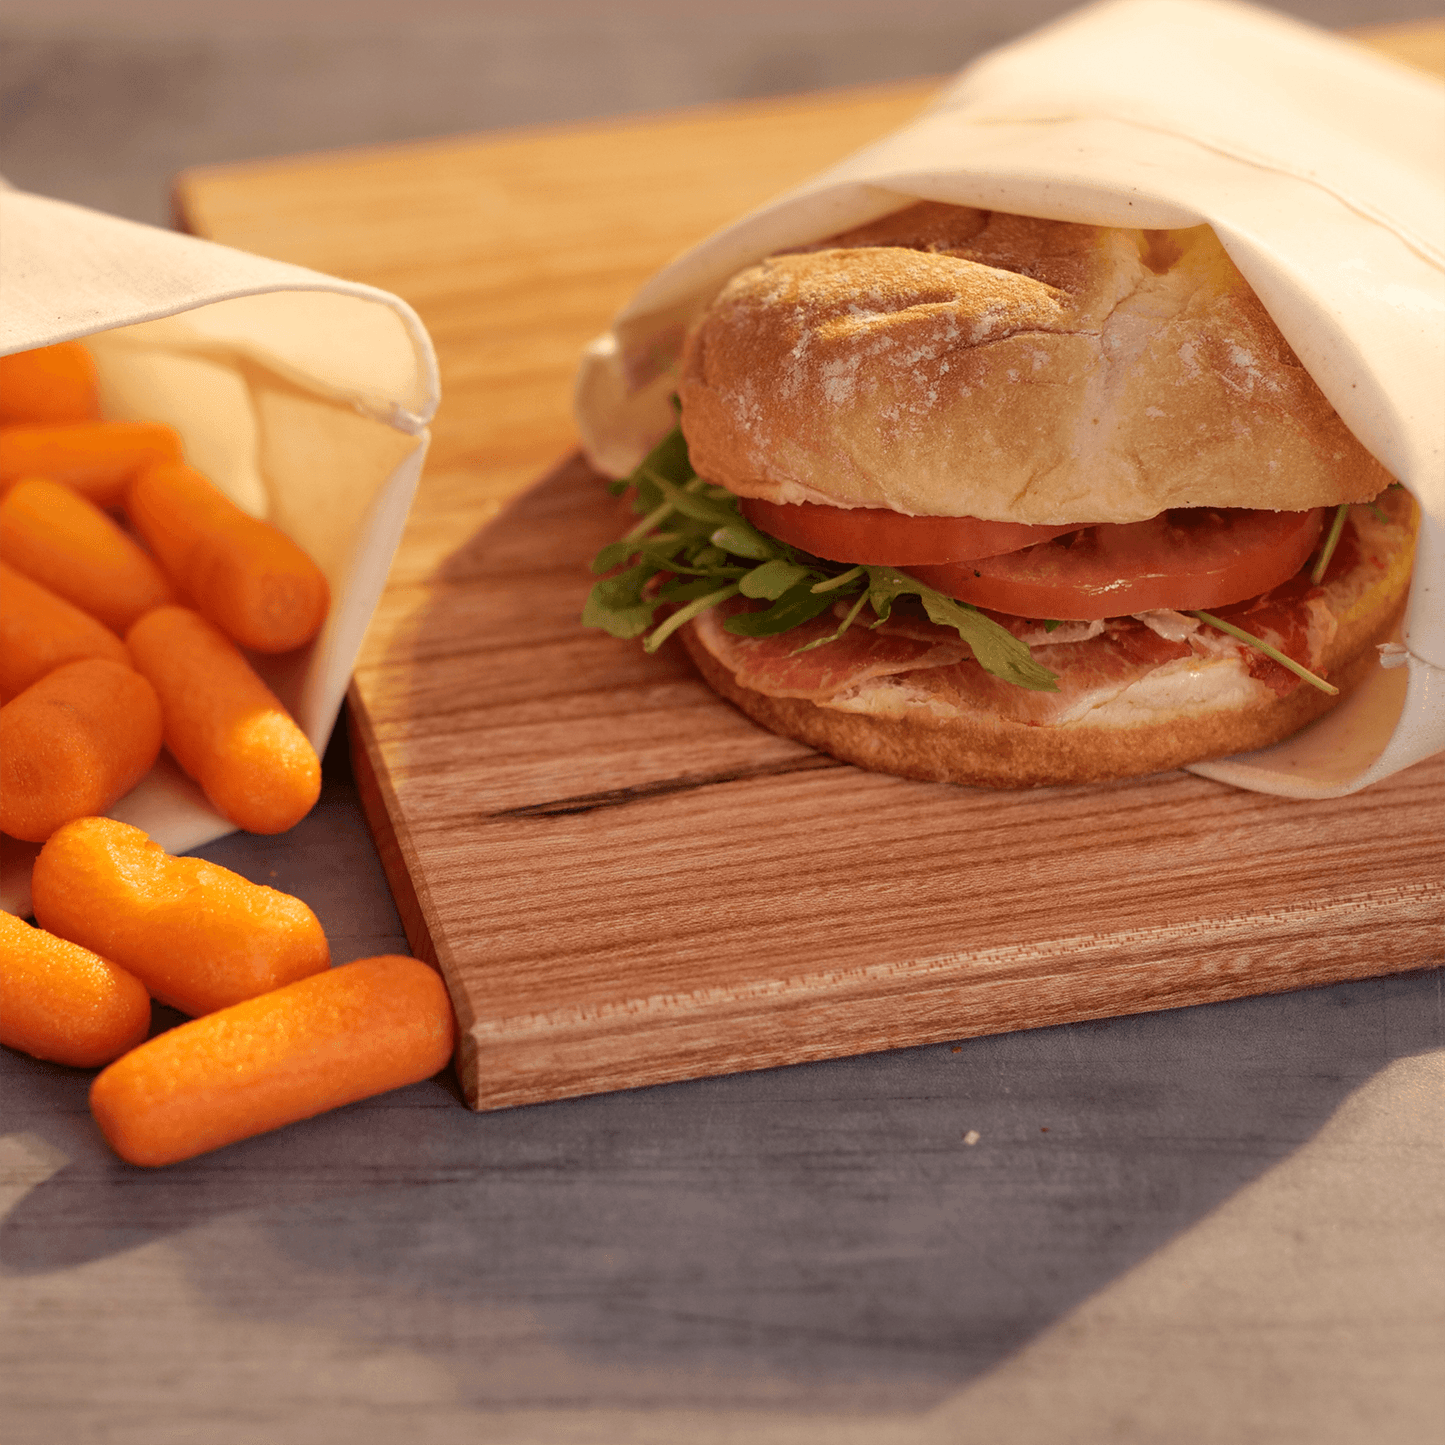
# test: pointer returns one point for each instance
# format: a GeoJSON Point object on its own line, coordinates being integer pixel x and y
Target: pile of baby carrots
{"type": "Point", "coordinates": [129, 585]}
{"type": "Point", "coordinates": [109, 648]}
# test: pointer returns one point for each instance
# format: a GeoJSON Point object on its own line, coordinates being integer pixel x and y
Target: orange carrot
{"type": "Point", "coordinates": [69, 545]}
{"type": "Point", "coordinates": [95, 458]}
{"type": "Point", "coordinates": [355, 1031]}
{"type": "Point", "coordinates": [73, 743]}
{"type": "Point", "coordinates": [61, 1002]}
{"type": "Point", "coordinates": [245, 575]}
{"type": "Point", "coordinates": [39, 631]}
{"type": "Point", "coordinates": [197, 935]}
{"type": "Point", "coordinates": [52, 384]}
{"type": "Point", "coordinates": [223, 725]}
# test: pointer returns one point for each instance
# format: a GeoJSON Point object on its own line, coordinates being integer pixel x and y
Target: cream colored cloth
{"type": "Point", "coordinates": [305, 398]}
{"type": "Point", "coordinates": [1320, 166]}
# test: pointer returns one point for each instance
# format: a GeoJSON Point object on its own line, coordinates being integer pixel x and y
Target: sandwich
{"type": "Point", "coordinates": [988, 499]}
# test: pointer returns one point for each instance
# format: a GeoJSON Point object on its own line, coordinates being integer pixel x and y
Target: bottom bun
{"type": "Point", "coordinates": [919, 722]}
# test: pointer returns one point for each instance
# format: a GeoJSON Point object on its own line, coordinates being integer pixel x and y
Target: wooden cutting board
{"type": "Point", "coordinates": [624, 881]}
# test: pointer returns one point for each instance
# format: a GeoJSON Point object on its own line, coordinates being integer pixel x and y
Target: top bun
{"type": "Point", "coordinates": [950, 362]}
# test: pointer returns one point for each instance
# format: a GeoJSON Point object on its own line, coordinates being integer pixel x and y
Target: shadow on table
{"type": "Point", "coordinates": [815, 1237]}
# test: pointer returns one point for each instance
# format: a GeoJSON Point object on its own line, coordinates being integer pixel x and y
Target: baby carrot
{"type": "Point", "coordinates": [245, 575]}
{"type": "Point", "coordinates": [61, 1002]}
{"type": "Point", "coordinates": [197, 935]}
{"type": "Point", "coordinates": [48, 385]}
{"type": "Point", "coordinates": [355, 1031]}
{"type": "Point", "coordinates": [95, 458]}
{"type": "Point", "coordinates": [69, 545]}
{"type": "Point", "coordinates": [223, 725]}
{"type": "Point", "coordinates": [39, 631]}
{"type": "Point", "coordinates": [73, 743]}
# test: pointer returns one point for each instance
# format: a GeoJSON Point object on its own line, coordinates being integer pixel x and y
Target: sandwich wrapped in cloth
{"type": "Point", "coordinates": [1088, 426]}
{"type": "Point", "coordinates": [304, 398]}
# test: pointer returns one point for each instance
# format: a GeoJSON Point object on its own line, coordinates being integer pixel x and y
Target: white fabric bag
{"type": "Point", "coordinates": [305, 398]}
{"type": "Point", "coordinates": [1320, 166]}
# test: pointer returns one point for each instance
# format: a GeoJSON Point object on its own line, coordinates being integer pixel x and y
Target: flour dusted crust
{"type": "Point", "coordinates": [1180, 713]}
{"type": "Point", "coordinates": [952, 362]}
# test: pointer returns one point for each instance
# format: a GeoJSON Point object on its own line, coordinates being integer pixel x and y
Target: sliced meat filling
{"type": "Point", "coordinates": [775, 665]}
{"type": "Point", "coordinates": [924, 663]}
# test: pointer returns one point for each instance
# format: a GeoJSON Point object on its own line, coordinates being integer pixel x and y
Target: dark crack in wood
{"type": "Point", "coordinates": [663, 787]}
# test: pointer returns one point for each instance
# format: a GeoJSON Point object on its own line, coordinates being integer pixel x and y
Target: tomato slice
{"type": "Point", "coordinates": [1200, 557]}
{"type": "Point", "coordinates": [885, 538]}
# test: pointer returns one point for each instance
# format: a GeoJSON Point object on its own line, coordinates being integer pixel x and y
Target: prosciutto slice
{"type": "Point", "coordinates": [938, 663]}
{"type": "Point", "coordinates": [1295, 617]}
{"type": "Point", "coordinates": [1089, 673]}
{"type": "Point", "coordinates": [775, 666]}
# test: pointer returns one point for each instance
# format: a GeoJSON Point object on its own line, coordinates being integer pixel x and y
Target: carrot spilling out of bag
{"type": "Point", "coordinates": [343, 1035]}
{"type": "Point", "coordinates": [74, 743]}
{"type": "Point", "coordinates": [197, 935]}
{"type": "Point", "coordinates": [70, 546]}
{"type": "Point", "coordinates": [95, 458]}
{"type": "Point", "coordinates": [245, 575]}
{"type": "Point", "coordinates": [52, 384]}
{"type": "Point", "coordinates": [63, 1003]}
{"type": "Point", "coordinates": [223, 725]}
{"type": "Point", "coordinates": [40, 631]}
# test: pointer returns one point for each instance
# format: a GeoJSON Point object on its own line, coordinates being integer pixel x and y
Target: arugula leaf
{"type": "Point", "coordinates": [843, 626]}
{"type": "Point", "coordinates": [742, 539]}
{"type": "Point", "coordinates": [617, 606]}
{"type": "Point", "coordinates": [668, 459]}
{"type": "Point", "coordinates": [797, 605]}
{"type": "Point", "coordinates": [1332, 539]}
{"type": "Point", "coordinates": [772, 579]}
{"type": "Point", "coordinates": [697, 506]}
{"type": "Point", "coordinates": [996, 648]}
{"type": "Point", "coordinates": [842, 580]}
{"type": "Point", "coordinates": [688, 589]}
{"type": "Point", "coordinates": [686, 614]}
{"type": "Point", "coordinates": [709, 552]}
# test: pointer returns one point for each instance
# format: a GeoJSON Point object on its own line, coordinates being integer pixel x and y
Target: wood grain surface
{"type": "Point", "coordinates": [624, 881]}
